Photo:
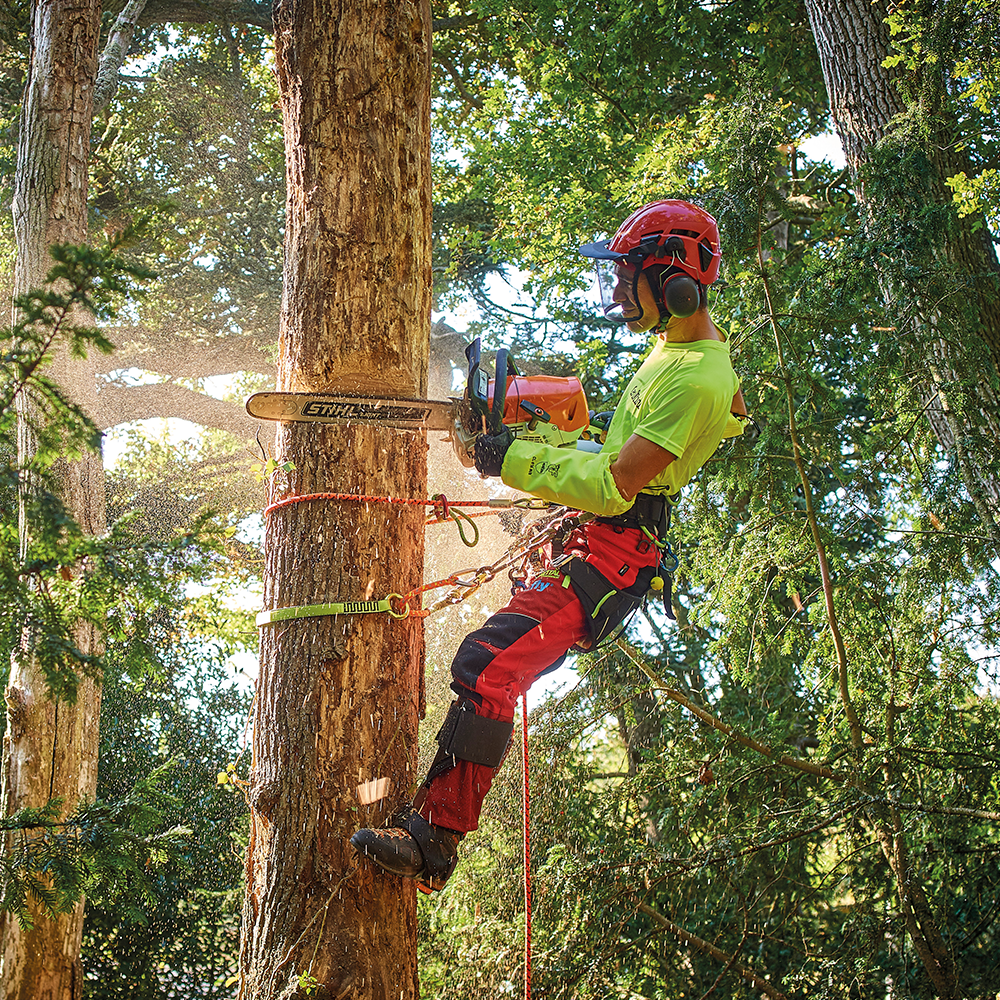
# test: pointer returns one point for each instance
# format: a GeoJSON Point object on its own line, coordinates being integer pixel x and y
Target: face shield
{"type": "Point", "coordinates": [618, 284]}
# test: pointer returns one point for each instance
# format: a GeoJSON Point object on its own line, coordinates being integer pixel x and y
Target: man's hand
{"type": "Point", "coordinates": [490, 450]}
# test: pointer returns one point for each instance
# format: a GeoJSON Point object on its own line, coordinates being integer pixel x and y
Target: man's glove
{"type": "Point", "coordinates": [490, 450]}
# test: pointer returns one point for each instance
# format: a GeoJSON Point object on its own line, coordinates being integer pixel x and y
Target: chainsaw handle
{"type": "Point", "coordinates": [500, 390]}
{"type": "Point", "coordinates": [478, 384]}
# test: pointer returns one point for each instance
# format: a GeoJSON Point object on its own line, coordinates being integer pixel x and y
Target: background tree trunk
{"type": "Point", "coordinates": [50, 750]}
{"type": "Point", "coordinates": [952, 336]}
{"type": "Point", "coordinates": [951, 325]}
{"type": "Point", "coordinates": [338, 700]}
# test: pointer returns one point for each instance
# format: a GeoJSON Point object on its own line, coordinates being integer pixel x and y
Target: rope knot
{"type": "Point", "coordinates": [442, 508]}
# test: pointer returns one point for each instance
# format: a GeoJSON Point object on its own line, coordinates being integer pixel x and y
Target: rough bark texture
{"type": "Point", "coordinates": [50, 750]}
{"type": "Point", "coordinates": [952, 336]}
{"type": "Point", "coordinates": [338, 700]}
{"type": "Point", "coordinates": [951, 328]}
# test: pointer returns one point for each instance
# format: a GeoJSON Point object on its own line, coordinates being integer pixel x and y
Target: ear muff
{"type": "Point", "coordinates": [681, 295]}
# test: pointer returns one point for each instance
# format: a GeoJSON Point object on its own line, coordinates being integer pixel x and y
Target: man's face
{"type": "Point", "coordinates": [638, 307]}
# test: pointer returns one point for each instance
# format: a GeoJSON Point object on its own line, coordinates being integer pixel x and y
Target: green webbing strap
{"type": "Point", "coordinates": [457, 516]}
{"type": "Point", "coordinates": [340, 608]}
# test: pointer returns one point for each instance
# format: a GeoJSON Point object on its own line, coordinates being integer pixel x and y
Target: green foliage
{"type": "Point", "coordinates": [951, 73]}
{"type": "Point", "coordinates": [157, 847]}
{"type": "Point", "coordinates": [42, 597]}
{"type": "Point", "coordinates": [194, 139]}
{"type": "Point", "coordinates": [110, 850]}
{"type": "Point", "coordinates": [551, 114]}
{"type": "Point", "coordinates": [14, 20]}
{"type": "Point", "coordinates": [83, 281]}
{"type": "Point", "coordinates": [173, 699]}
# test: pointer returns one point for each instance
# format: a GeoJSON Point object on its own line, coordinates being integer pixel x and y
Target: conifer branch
{"type": "Point", "coordinates": [710, 720]}
{"type": "Point", "coordinates": [843, 680]}
{"type": "Point", "coordinates": [717, 953]}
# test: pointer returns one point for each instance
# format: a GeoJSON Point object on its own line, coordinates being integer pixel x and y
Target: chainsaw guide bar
{"type": "Point", "coordinates": [329, 408]}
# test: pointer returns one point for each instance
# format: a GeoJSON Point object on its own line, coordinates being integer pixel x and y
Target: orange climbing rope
{"type": "Point", "coordinates": [439, 501]}
{"type": "Point", "coordinates": [527, 850]}
{"type": "Point", "coordinates": [464, 582]}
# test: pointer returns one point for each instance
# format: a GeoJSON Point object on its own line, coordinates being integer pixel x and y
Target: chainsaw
{"type": "Point", "coordinates": [544, 409]}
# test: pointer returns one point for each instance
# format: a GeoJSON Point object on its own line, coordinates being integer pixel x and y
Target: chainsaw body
{"type": "Point", "coordinates": [543, 409]}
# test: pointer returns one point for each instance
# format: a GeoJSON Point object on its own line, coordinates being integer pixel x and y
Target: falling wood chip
{"type": "Point", "coordinates": [372, 791]}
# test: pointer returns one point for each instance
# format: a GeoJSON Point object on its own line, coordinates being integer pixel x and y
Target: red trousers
{"type": "Point", "coordinates": [522, 641]}
{"type": "Point", "coordinates": [497, 663]}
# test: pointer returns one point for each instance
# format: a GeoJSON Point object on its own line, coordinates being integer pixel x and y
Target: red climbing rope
{"type": "Point", "coordinates": [527, 851]}
{"type": "Point", "coordinates": [439, 502]}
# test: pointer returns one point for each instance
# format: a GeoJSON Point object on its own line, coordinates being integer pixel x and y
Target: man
{"type": "Point", "coordinates": [679, 405]}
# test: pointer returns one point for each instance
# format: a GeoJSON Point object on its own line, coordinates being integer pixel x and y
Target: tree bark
{"type": "Point", "coordinates": [950, 324]}
{"type": "Point", "coordinates": [339, 699]}
{"type": "Point", "coordinates": [951, 329]}
{"type": "Point", "coordinates": [50, 750]}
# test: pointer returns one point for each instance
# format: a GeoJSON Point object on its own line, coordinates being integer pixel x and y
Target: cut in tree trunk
{"type": "Point", "coordinates": [339, 699]}
{"type": "Point", "coordinates": [50, 750]}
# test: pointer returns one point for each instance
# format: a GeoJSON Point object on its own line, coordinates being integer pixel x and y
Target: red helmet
{"type": "Point", "coordinates": [674, 233]}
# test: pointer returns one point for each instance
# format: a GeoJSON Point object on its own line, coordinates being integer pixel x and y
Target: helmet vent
{"type": "Point", "coordinates": [705, 256]}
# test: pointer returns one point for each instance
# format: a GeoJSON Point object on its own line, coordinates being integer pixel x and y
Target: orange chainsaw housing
{"type": "Point", "coordinates": [561, 398]}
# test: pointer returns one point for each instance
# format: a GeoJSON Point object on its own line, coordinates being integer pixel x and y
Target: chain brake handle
{"type": "Point", "coordinates": [479, 381]}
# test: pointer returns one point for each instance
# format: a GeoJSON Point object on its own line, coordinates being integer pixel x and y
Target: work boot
{"type": "Point", "coordinates": [412, 847]}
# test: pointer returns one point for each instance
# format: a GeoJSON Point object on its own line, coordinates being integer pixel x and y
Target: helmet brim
{"type": "Point", "coordinates": [599, 251]}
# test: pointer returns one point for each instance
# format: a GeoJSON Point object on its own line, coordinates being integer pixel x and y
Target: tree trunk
{"type": "Point", "coordinates": [950, 335]}
{"type": "Point", "coordinates": [50, 750]}
{"type": "Point", "coordinates": [900, 154]}
{"type": "Point", "coordinates": [338, 700]}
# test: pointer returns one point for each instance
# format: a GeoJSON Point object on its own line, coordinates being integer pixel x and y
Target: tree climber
{"type": "Point", "coordinates": [676, 409]}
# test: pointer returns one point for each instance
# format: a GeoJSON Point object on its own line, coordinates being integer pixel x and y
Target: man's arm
{"type": "Point", "coordinates": [638, 464]}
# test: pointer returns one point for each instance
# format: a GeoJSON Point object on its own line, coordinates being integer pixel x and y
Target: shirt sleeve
{"type": "Point", "coordinates": [672, 418]}
{"type": "Point", "coordinates": [734, 427]}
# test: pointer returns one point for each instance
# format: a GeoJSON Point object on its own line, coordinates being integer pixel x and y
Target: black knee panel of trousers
{"type": "Point", "coordinates": [478, 648]}
{"type": "Point", "coordinates": [465, 735]}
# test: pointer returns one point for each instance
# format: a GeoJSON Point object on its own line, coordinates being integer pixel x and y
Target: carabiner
{"type": "Point", "coordinates": [482, 575]}
{"type": "Point", "coordinates": [673, 555]}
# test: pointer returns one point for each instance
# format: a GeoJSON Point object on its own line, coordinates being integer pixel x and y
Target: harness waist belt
{"type": "Point", "coordinates": [648, 510]}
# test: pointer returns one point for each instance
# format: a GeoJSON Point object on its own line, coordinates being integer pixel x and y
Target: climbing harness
{"type": "Point", "coordinates": [609, 608]}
